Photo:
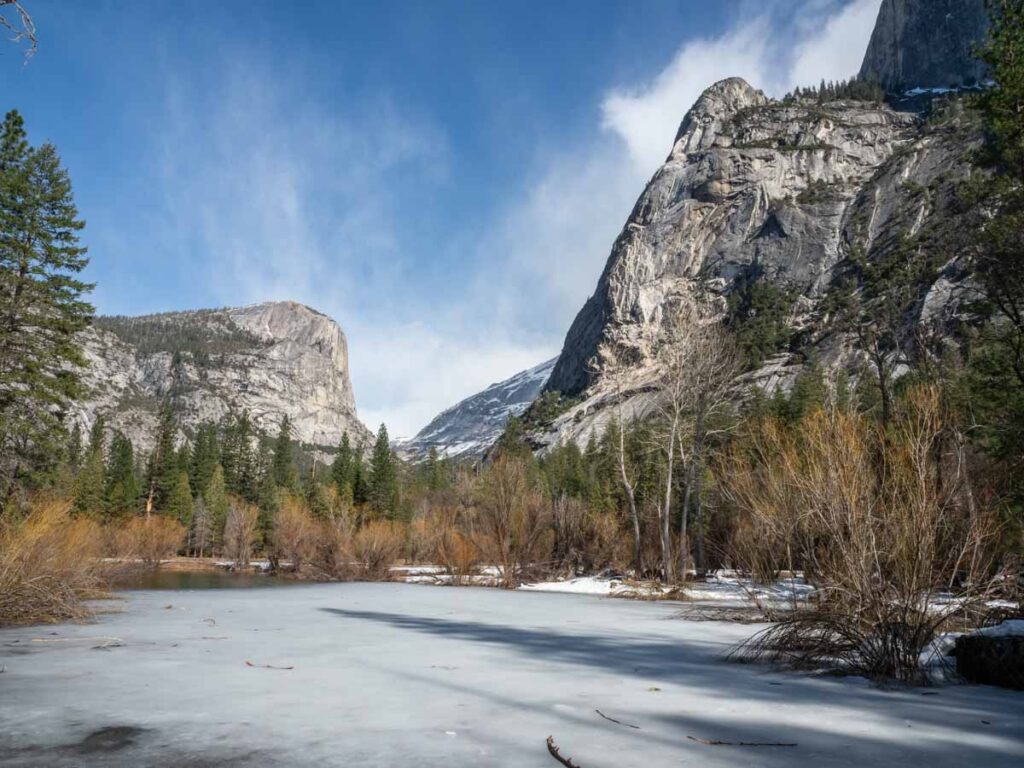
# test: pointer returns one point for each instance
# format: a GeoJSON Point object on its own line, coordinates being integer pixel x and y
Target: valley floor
{"type": "Point", "coordinates": [363, 674]}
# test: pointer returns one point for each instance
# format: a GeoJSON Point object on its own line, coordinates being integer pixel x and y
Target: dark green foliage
{"type": "Point", "coordinates": [41, 306]}
{"type": "Point", "coordinates": [758, 316]}
{"type": "Point", "coordinates": [237, 458]}
{"type": "Point", "coordinates": [164, 461]}
{"type": "Point", "coordinates": [215, 496]}
{"type": "Point", "coordinates": [121, 485]}
{"type": "Point", "coordinates": [854, 89]}
{"type": "Point", "coordinates": [283, 466]}
{"type": "Point", "coordinates": [205, 456]}
{"type": "Point", "coordinates": [383, 496]}
{"type": "Point", "coordinates": [434, 472]}
{"type": "Point", "coordinates": [546, 408]}
{"type": "Point", "coordinates": [179, 503]}
{"type": "Point", "coordinates": [343, 468]}
{"type": "Point", "coordinates": [89, 496]}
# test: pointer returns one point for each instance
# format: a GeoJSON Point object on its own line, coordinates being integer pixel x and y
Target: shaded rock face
{"type": "Point", "coordinates": [469, 428]}
{"type": "Point", "coordinates": [926, 44]}
{"type": "Point", "coordinates": [783, 192]}
{"type": "Point", "coordinates": [273, 360]}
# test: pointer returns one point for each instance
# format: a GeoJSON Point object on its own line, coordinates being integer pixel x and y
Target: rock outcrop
{"type": "Point", "coordinates": [926, 44]}
{"type": "Point", "coordinates": [470, 427]}
{"type": "Point", "coordinates": [762, 190]}
{"type": "Point", "coordinates": [272, 360]}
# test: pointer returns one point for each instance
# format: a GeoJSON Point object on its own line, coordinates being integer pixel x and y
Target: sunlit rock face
{"type": "Point", "coordinates": [926, 44]}
{"type": "Point", "coordinates": [757, 188]}
{"type": "Point", "coordinates": [271, 360]}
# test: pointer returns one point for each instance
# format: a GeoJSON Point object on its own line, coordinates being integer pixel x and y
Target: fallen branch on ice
{"type": "Point", "coordinates": [568, 763]}
{"type": "Point", "coordinates": [718, 743]}
{"type": "Point", "coordinates": [613, 720]}
{"type": "Point", "coordinates": [264, 666]}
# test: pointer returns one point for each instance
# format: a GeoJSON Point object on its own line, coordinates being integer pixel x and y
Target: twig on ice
{"type": "Point", "coordinates": [613, 720]}
{"type": "Point", "coordinates": [568, 763]}
{"type": "Point", "coordinates": [264, 666]}
{"type": "Point", "coordinates": [718, 743]}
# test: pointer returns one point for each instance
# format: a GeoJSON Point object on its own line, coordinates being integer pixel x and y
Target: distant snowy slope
{"type": "Point", "coordinates": [470, 427]}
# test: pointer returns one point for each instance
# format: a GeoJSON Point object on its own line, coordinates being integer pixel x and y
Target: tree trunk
{"type": "Point", "coordinates": [684, 546]}
{"type": "Point", "coordinates": [666, 535]}
{"type": "Point", "coordinates": [638, 562]}
{"type": "Point", "coordinates": [698, 474]}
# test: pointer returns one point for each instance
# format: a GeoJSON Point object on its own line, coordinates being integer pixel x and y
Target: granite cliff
{"type": "Point", "coordinates": [272, 360]}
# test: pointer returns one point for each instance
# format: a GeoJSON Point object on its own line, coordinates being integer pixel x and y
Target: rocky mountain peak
{"type": "Point", "coordinates": [703, 123]}
{"type": "Point", "coordinates": [926, 44]}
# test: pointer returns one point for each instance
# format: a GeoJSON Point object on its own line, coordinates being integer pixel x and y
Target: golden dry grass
{"type": "Point", "coordinates": [49, 564]}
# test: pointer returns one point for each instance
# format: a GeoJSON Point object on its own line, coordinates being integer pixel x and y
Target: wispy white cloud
{"type": "Point", "coordinates": [555, 236]}
{"type": "Point", "coordinates": [277, 198]}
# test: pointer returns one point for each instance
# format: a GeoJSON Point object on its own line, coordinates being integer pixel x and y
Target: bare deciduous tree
{"type": "Point", "coordinates": [513, 518]}
{"type": "Point", "coordinates": [22, 28]}
{"type": "Point", "coordinates": [698, 363]}
{"type": "Point", "coordinates": [240, 532]}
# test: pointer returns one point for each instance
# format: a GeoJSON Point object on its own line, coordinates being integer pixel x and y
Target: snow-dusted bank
{"type": "Point", "coordinates": [397, 674]}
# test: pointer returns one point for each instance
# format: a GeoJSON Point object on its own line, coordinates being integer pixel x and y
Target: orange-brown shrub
{"type": "Point", "coordinates": [49, 563]}
{"type": "Point", "coordinates": [149, 539]}
{"type": "Point", "coordinates": [377, 545]}
{"type": "Point", "coordinates": [296, 534]}
{"type": "Point", "coordinates": [240, 532]}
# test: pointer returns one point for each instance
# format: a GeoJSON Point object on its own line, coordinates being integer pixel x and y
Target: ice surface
{"type": "Point", "coordinates": [406, 675]}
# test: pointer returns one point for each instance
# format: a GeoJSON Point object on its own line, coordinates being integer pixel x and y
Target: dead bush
{"type": "Point", "coordinates": [514, 521]}
{"type": "Point", "coordinates": [240, 531]}
{"type": "Point", "coordinates": [296, 534]}
{"type": "Point", "coordinates": [883, 523]}
{"type": "Point", "coordinates": [49, 563]}
{"type": "Point", "coordinates": [334, 558]}
{"type": "Point", "coordinates": [377, 545]}
{"type": "Point", "coordinates": [148, 539]}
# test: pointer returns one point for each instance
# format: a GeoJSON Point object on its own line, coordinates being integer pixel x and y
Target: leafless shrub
{"type": "Point", "coordinates": [334, 553]}
{"type": "Point", "coordinates": [240, 532]}
{"type": "Point", "coordinates": [879, 520]}
{"type": "Point", "coordinates": [514, 525]}
{"type": "Point", "coordinates": [377, 545]}
{"type": "Point", "coordinates": [49, 562]}
{"type": "Point", "coordinates": [148, 539]}
{"type": "Point", "coordinates": [296, 534]}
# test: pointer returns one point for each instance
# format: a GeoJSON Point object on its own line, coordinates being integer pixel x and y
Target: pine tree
{"type": "Point", "coordinates": [216, 499]}
{"type": "Point", "coordinates": [164, 463]}
{"type": "Point", "coordinates": [283, 466]}
{"type": "Point", "coordinates": [342, 469]}
{"type": "Point", "coordinates": [74, 450]}
{"type": "Point", "coordinates": [383, 476]}
{"type": "Point", "coordinates": [41, 305]}
{"type": "Point", "coordinates": [89, 497]}
{"type": "Point", "coordinates": [269, 504]}
{"type": "Point", "coordinates": [179, 503]}
{"type": "Point", "coordinates": [204, 457]}
{"type": "Point", "coordinates": [121, 486]}
{"type": "Point", "coordinates": [241, 473]}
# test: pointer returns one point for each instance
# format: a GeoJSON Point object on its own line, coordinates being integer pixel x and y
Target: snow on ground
{"type": "Point", "coordinates": [722, 587]}
{"type": "Point", "coordinates": [403, 675]}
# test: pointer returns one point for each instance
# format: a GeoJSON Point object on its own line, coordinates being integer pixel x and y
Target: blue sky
{"type": "Point", "coordinates": [444, 178]}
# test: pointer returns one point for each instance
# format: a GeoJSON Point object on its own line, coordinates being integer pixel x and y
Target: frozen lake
{"type": "Point", "coordinates": [404, 675]}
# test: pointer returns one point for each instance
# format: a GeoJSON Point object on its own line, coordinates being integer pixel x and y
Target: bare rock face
{"type": "Point", "coordinates": [926, 44]}
{"type": "Point", "coordinates": [756, 189]}
{"type": "Point", "coordinates": [471, 426]}
{"type": "Point", "coordinates": [272, 360]}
